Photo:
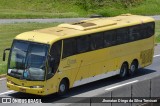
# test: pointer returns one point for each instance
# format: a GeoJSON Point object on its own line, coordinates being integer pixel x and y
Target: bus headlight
{"type": "Point", "coordinates": [38, 86]}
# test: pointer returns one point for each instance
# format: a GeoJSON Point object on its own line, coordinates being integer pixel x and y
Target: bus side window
{"type": "Point", "coordinates": [150, 29]}
{"type": "Point", "coordinates": [55, 53]}
{"type": "Point", "coordinates": [109, 38]}
{"type": "Point", "coordinates": [134, 33]}
{"type": "Point", "coordinates": [69, 47]}
{"type": "Point", "coordinates": [143, 31]}
{"type": "Point", "coordinates": [122, 35]}
{"type": "Point", "coordinates": [96, 41]}
{"type": "Point", "coordinates": [147, 30]}
{"type": "Point", "coordinates": [83, 44]}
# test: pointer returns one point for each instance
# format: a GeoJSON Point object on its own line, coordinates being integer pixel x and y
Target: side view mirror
{"type": "Point", "coordinates": [4, 56]}
{"type": "Point", "coordinates": [4, 53]}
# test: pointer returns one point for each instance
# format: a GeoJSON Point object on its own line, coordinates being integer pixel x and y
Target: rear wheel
{"type": "Point", "coordinates": [123, 70]}
{"type": "Point", "coordinates": [63, 87]}
{"type": "Point", "coordinates": [133, 68]}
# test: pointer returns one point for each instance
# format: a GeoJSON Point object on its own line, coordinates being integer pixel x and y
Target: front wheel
{"type": "Point", "coordinates": [63, 87]}
{"type": "Point", "coordinates": [123, 70]}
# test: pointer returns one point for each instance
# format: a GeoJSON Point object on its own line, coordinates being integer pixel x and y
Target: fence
{"type": "Point", "coordinates": [147, 89]}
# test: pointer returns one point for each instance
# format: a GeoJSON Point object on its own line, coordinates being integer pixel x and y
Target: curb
{"type": "Point", "coordinates": [3, 75]}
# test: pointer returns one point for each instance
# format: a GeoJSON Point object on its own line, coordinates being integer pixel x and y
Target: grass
{"type": "Point", "coordinates": [9, 31]}
{"type": "Point", "coordinates": [157, 33]}
{"type": "Point", "coordinates": [38, 9]}
{"type": "Point", "coordinates": [75, 8]}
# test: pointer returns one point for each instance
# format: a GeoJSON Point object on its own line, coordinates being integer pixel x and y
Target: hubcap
{"type": "Point", "coordinates": [62, 87]}
{"type": "Point", "coordinates": [133, 68]}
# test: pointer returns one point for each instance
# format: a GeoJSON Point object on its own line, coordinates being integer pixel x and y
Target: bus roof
{"type": "Point", "coordinates": [62, 31]}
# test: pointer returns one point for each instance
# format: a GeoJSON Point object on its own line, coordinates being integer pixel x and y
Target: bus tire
{"type": "Point", "coordinates": [133, 67]}
{"type": "Point", "coordinates": [123, 70]}
{"type": "Point", "coordinates": [63, 87]}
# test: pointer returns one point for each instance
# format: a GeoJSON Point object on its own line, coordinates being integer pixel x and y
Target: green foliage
{"type": "Point", "coordinates": [3, 68]}
{"type": "Point", "coordinates": [90, 4]}
{"type": "Point", "coordinates": [75, 8]}
{"type": "Point", "coordinates": [157, 33]}
{"type": "Point", "coordinates": [158, 39]}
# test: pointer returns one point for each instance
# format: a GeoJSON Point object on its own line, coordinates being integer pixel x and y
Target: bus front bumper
{"type": "Point", "coordinates": [37, 91]}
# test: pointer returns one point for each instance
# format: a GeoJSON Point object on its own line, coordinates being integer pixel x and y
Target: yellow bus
{"type": "Point", "coordinates": [56, 59]}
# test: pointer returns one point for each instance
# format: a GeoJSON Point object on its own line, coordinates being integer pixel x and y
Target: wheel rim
{"type": "Point", "coordinates": [123, 72]}
{"type": "Point", "coordinates": [133, 67]}
{"type": "Point", "coordinates": [62, 87]}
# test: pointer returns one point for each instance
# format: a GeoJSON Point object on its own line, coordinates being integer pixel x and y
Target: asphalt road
{"type": "Point", "coordinates": [7, 21]}
{"type": "Point", "coordinates": [91, 89]}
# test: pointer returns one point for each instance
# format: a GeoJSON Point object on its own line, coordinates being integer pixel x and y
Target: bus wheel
{"type": "Point", "coordinates": [63, 87]}
{"type": "Point", "coordinates": [123, 70]}
{"type": "Point", "coordinates": [133, 67]}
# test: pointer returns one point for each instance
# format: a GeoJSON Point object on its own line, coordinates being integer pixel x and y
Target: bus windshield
{"type": "Point", "coordinates": [28, 60]}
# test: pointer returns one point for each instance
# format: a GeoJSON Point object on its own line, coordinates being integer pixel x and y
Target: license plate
{"type": "Point", "coordinates": [22, 90]}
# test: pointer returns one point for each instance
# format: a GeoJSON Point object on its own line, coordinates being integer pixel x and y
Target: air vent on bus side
{"type": "Point", "coordinates": [89, 24]}
{"type": "Point", "coordinates": [146, 56]}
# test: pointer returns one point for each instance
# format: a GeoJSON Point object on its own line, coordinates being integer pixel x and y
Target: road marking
{"type": "Point", "coordinates": [2, 79]}
{"type": "Point", "coordinates": [11, 91]}
{"type": "Point", "coordinates": [121, 85]}
{"type": "Point", "coordinates": [156, 55]}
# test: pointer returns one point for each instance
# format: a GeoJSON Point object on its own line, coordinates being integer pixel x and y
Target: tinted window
{"type": "Point", "coordinates": [83, 44]}
{"type": "Point", "coordinates": [109, 38]}
{"type": "Point", "coordinates": [147, 30]}
{"type": "Point", "coordinates": [69, 47]}
{"type": "Point", "coordinates": [96, 41]}
{"type": "Point", "coordinates": [134, 33]}
{"type": "Point", "coordinates": [122, 35]}
{"type": "Point", "coordinates": [56, 50]}
{"type": "Point", "coordinates": [150, 29]}
{"type": "Point", "coordinates": [143, 31]}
